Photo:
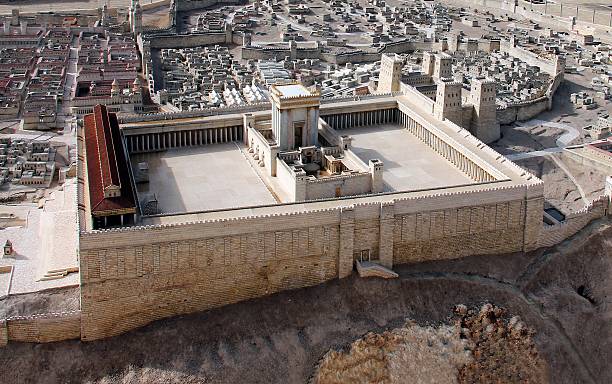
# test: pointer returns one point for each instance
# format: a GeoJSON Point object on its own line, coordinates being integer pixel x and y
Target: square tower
{"type": "Point", "coordinates": [448, 102]}
{"type": "Point", "coordinates": [428, 63]}
{"type": "Point", "coordinates": [295, 116]}
{"type": "Point", "coordinates": [484, 123]}
{"type": "Point", "coordinates": [390, 74]}
{"type": "Point", "coordinates": [443, 67]}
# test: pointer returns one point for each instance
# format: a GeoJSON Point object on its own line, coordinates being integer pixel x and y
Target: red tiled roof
{"type": "Point", "coordinates": [106, 163]}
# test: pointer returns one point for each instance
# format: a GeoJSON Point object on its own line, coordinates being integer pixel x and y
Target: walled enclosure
{"type": "Point", "coordinates": [185, 263]}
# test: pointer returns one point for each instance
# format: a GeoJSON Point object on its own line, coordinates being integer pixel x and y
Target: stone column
{"type": "Point", "coordinates": [347, 238]}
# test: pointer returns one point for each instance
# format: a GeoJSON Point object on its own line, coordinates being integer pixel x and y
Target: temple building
{"type": "Point", "coordinates": [111, 194]}
{"type": "Point", "coordinates": [301, 167]}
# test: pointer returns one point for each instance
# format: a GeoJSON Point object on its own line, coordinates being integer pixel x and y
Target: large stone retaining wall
{"type": "Point", "coordinates": [190, 5]}
{"type": "Point", "coordinates": [574, 222]}
{"type": "Point", "coordinates": [523, 111]}
{"type": "Point", "coordinates": [43, 328]}
{"type": "Point", "coordinates": [136, 275]}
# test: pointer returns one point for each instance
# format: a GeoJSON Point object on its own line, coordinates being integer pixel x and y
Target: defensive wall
{"type": "Point", "coordinates": [136, 275]}
{"type": "Point", "coordinates": [340, 57]}
{"type": "Point", "coordinates": [549, 14]}
{"type": "Point", "coordinates": [190, 5]}
{"type": "Point", "coordinates": [574, 222]}
{"type": "Point", "coordinates": [510, 113]}
{"type": "Point", "coordinates": [43, 328]}
{"type": "Point", "coordinates": [174, 264]}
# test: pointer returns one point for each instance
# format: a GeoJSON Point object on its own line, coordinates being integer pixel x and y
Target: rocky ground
{"type": "Point", "coordinates": [562, 294]}
{"type": "Point", "coordinates": [483, 345]}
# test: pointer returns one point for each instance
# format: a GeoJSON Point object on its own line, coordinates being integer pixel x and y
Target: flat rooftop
{"type": "Point", "coordinates": [204, 178]}
{"type": "Point", "coordinates": [292, 90]}
{"type": "Point", "coordinates": [409, 163]}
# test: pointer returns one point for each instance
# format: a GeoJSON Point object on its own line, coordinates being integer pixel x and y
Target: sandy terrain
{"type": "Point", "coordinates": [561, 293]}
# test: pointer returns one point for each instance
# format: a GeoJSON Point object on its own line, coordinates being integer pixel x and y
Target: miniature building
{"type": "Point", "coordinates": [135, 17]}
{"type": "Point", "coordinates": [390, 74]}
{"type": "Point", "coordinates": [484, 123]}
{"type": "Point", "coordinates": [448, 102]}
{"type": "Point", "coordinates": [442, 67]}
{"type": "Point", "coordinates": [8, 248]}
{"type": "Point", "coordinates": [288, 149]}
{"type": "Point", "coordinates": [295, 116]}
{"type": "Point", "coordinates": [111, 195]}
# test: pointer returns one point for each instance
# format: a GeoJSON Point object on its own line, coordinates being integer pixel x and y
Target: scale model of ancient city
{"type": "Point", "coordinates": [196, 157]}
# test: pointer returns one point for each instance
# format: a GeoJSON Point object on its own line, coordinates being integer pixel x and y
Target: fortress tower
{"type": "Point", "coordinates": [484, 123]}
{"type": "Point", "coordinates": [559, 62]}
{"type": "Point", "coordinates": [390, 74]}
{"type": "Point", "coordinates": [448, 102]}
{"type": "Point", "coordinates": [443, 67]}
{"type": "Point", "coordinates": [428, 63]}
{"type": "Point", "coordinates": [295, 116]}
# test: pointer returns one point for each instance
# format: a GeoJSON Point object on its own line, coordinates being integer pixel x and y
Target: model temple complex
{"type": "Point", "coordinates": [202, 162]}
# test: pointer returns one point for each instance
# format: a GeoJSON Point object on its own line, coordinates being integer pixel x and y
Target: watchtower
{"type": "Point", "coordinates": [448, 101]}
{"type": "Point", "coordinates": [443, 67]}
{"type": "Point", "coordinates": [428, 63]}
{"type": "Point", "coordinates": [390, 74]}
{"type": "Point", "coordinates": [484, 123]}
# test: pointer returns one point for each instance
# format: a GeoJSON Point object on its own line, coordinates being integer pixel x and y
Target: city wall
{"type": "Point", "coordinates": [536, 12]}
{"type": "Point", "coordinates": [136, 275]}
{"type": "Point", "coordinates": [531, 58]}
{"type": "Point", "coordinates": [574, 222]}
{"type": "Point", "coordinates": [523, 111]}
{"type": "Point", "coordinates": [43, 328]}
{"type": "Point", "coordinates": [190, 40]}
{"type": "Point", "coordinates": [190, 5]}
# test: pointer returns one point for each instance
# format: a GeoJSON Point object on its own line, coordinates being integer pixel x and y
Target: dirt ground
{"type": "Point", "coordinates": [53, 300]}
{"type": "Point", "coordinates": [483, 345]}
{"type": "Point", "coordinates": [560, 190]}
{"type": "Point", "coordinates": [562, 293]}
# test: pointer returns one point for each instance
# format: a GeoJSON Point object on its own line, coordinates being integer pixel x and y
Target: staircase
{"type": "Point", "coordinates": [58, 273]}
{"type": "Point", "coordinates": [371, 269]}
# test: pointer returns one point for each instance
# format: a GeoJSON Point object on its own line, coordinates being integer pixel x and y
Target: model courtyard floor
{"type": "Point", "coordinates": [197, 179]}
{"type": "Point", "coordinates": [409, 163]}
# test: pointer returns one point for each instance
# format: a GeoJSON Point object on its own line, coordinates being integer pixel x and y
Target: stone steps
{"type": "Point", "coordinates": [371, 269]}
{"type": "Point", "coordinates": [58, 273]}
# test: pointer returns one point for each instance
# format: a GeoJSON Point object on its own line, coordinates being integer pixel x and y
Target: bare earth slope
{"type": "Point", "coordinates": [562, 294]}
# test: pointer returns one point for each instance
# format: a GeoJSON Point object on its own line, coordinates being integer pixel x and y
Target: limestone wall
{"type": "Point", "coordinates": [151, 273]}
{"type": "Point", "coordinates": [3, 333]}
{"type": "Point", "coordinates": [574, 222]}
{"type": "Point", "coordinates": [42, 328]}
{"type": "Point", "coordinates": [153, 5]}
{"type": "Point", "coordinates": [191, 40]}
{"type": "Point", "coordinates": [287, 180]}
{"type": "Point", "coordinates": [528, 110]}
{"type": "Point", "coordinates": [190, 5]}
{"type": "Point", "coordinates": [523, 111]}
{"type": "Point", "coordinates": [136, 275]}
{"type": "Point", "coordinates": [426, 102]}
{"type": "Point", "coordinates": [348, 185]}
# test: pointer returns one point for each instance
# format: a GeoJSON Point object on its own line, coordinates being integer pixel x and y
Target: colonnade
{"type": "Point", "coordinates": [450, 153]}
{"type": "Point", "coordinates": [360, 119]}
{"type": "Point", "coordinates": [177, 139]}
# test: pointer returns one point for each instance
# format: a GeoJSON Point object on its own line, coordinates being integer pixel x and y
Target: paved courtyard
{"type": "Point", "coordinates": [409, 163]}
{"type": "Point", "coordinates": [204, 178]}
